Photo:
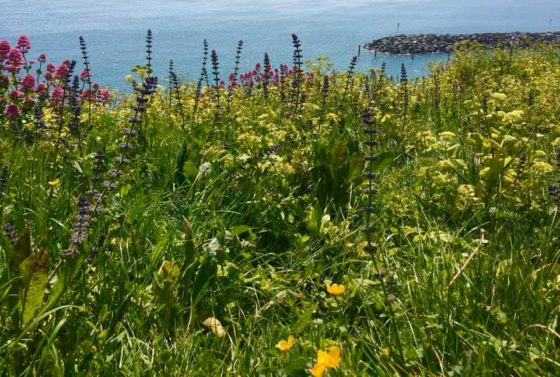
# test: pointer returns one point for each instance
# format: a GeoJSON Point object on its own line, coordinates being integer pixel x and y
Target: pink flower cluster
{"type": "Point", "coordinates": [24, 83]}
{"type": "Point", "coordinates": [257, 76]}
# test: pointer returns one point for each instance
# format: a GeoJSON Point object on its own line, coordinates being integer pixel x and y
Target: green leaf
{"type": "Point", "coordinates": [78, 167]}
{"type": "Point", "coordinates": [296, 367]}
{"type": "Point", "coordinates": [304, 319]}
{"type": "Point", "coordinates": [69, 271]}
{"type": "Point", "coordinates": [356, 166]}
{"type": "Point", "coordinates": [338, 155]}
{"type": "Point", "coordinates": [34, 270]}
{"type": "Point", "coordinates": [188, 268]}
{"type": "Point", "coordinates": [22, 250]}
{"type": "Point", "coordinates": [204, 276]}
{"type": "Point", "coordinates": [189, 241]}
{"type": "Point", "coordinates": [180, 165]}
{"type": "Point", "coordinates": [165, 283]}
{"type": "Point", "coordinates": [313, 220]}
{"type": "Point", "coordinates": [239, 229]}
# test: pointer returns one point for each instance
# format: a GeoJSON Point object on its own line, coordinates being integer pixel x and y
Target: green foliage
{"type": "Point", "coordinates": [248, 215]}
{"type": "Point", "coordinates": [34, 271]}
{"type": "Point", "coordinates": [337, 167]}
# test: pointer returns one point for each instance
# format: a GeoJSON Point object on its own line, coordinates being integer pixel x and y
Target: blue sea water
{"type": "Point", "coordinates": [115, 29]}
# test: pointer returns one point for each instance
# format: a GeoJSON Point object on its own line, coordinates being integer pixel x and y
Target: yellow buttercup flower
{"type": "Point", "coordinates": [317, 370]}
{"type": "Point", "coordinates": [329, 359]}
{"type": "Point", "coordinates": [55, 182]}
{"type": "Point", "coordinates": [336, 289]}
{"type": "Point", "coordinates": [285, 345]}
{"type": "Point", "coordinates": [326, 360]}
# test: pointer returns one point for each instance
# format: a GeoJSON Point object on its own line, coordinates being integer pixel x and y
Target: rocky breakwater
{"type": "Point", "coordinates": [438, 43]}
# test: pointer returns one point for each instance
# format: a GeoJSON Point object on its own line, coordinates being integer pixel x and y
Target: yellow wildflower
{"type": "Point", "coordinates": [55, 182]}
{"type": "Point", "coordinates": [285, 345]}
{"type": "Point", "coordinates": [317, 370]}
{"type": "Point", "coordinates": [336, 289]}
{"type": "Point", "coordinates": [326, 360]}
{"type": "Point", "coordinates": [329, 359]}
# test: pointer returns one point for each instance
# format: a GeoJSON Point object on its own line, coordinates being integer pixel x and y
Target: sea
{"type": "Point", "coordinates": [114, 30]}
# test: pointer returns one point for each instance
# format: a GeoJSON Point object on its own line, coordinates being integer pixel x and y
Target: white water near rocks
{"type": "Point", "coordinates": [114, 30]}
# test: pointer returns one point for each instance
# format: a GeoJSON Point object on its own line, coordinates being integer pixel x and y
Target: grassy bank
{"type": "Point", "coordinates": [193, 230]}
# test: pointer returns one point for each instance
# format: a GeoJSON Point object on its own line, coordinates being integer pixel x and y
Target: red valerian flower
{"type": "Point", "coordinates": [11, 112]}
{"type": "Point", "coordinates": [4, 49]}
{"type": "Point", "coordinates": [104, 95]}
{"type": "Point", "coordinates": [62, 71]}
{"type": "Point", "coordinates": [28, 81]}
{"type": "Point", "coordinates": [16, 95]}
{"type": "Point", "coordinates": [23, 44]}
{"type": "Point", "coordinates": [57, 94]}
{"type": "Point", "coordinates": [15, 57]}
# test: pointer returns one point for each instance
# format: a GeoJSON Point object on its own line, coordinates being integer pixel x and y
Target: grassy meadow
{"type": "Point", "coordinates": [287, 221]}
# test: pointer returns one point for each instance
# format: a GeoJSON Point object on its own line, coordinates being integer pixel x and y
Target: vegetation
{"type": "Point", "coordinates": [291, 222]}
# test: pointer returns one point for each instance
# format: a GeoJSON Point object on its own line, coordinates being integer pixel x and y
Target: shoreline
{"type": "Point", "coordinates": [416, 44]}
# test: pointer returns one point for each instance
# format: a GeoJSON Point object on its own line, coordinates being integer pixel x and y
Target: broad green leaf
{"type": "Point", "coordinates": [35, 270]}
{"type": "Point", "coordinates": [338, 155]}
{"type": "Point", "coordinates": [239, 229]}
{"type": "Point", "coordinates": [22, 250]}
{"type": "Point", "coordinates": [356, 166]}
{"type": "Point", "coordinates": [296, 367]}
{"type": "Point", "coordinates": [69, 270]}
{"type": "Point", "coordinates": [205, 274]}
{"type": "Point", "coordinates": [313, 220]}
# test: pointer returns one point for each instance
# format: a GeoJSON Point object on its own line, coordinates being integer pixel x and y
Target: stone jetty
{"type": "Point", "coordinates": [441, 43]}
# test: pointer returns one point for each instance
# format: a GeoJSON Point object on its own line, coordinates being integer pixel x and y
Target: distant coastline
{"type": "Point", "coordinates": [416, 44]}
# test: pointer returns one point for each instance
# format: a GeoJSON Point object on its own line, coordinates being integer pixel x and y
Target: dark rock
{"type": "Point", "coordinates": [436, 43]}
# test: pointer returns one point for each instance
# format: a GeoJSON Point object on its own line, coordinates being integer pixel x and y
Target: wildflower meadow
{"type": "Point", "coordinates": [284, 221]}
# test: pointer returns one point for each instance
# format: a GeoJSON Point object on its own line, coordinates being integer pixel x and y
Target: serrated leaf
{"type": "Point", "coordinates": [34, 270]}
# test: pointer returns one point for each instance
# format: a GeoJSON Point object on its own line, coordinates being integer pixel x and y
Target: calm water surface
{"type": "Point", "coordinates": [114, 30]}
